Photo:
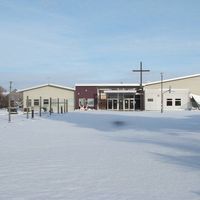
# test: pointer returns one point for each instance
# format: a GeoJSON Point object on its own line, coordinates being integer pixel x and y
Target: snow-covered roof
{"type": "Point", "coordinates": [44, 85]}
{"type": "Point", "coordinates": [108, 85]}
{"type": "Point", "coordinates": [173, 79]}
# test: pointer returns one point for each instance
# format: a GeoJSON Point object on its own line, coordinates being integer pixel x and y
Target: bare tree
{"type": "Point", "coordinates": [3, 98]}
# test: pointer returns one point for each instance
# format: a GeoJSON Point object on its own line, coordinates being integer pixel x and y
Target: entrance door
{"type": "Point", "coordinates": [112, 104]}
{"type": "Point", "coordinates": [129, 104]}
{"type": "Point", "coordinates": [137, 102]}
{"type": "Point", "coordinates": [126, 104]}
{"type": "Point", "coordinates": [132, 104]}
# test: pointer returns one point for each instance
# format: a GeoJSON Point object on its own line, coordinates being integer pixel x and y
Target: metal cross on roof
{"type": "Point", "coordinates": [141, 71]}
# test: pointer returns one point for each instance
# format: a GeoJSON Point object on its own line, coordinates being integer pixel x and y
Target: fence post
{"type": "Point", "coordinates": [61, 110]}
{"type": "Point", "coordinates": [64, 107]}
{"type": "Point", "coordinates": [32, 113]}
{"type": "Point", "coordinates": [50, 109]}
{"type": "Point", "coordinates": [9, 99]}
{"type": "Point", "coordinates": [58, 106]}
{"type": "Point", "coordinates": [27, 107]}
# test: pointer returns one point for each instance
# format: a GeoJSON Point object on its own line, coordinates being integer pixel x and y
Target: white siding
{"type": "Point", "coordinates": [175, 94]}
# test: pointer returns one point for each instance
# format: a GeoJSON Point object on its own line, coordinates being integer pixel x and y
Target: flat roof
{"type": "Point", "coordinates": [108, 84]}
{"type": "Point", "coordinates": [120, 91]}
{"type": "Point", "coordinates": [44, 85]}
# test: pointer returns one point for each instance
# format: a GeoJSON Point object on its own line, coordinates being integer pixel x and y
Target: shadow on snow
{"type": "Point", "coordinates": [114, 122]}
{"type": "Point", "coordinates": [163, 125]}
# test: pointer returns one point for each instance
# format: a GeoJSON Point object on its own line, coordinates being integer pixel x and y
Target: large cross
{"type": "Point", "coordinates": [141, 71]}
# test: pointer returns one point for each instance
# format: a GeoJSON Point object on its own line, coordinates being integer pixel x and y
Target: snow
{"type": "Point", "coordinates": [44, 85]}
{"type": "Point", "coordinates": [100, 155]}
{"type": "Point", "coordinates": [196, 98]}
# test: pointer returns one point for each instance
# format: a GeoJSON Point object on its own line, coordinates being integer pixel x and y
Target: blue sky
{"type": "Point", "coordinates": [86, 41]}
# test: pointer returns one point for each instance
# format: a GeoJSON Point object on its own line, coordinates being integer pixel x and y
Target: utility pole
{"type": "Point", "coordinates": [9, 99]}
{"type": "Point", "coordinates": [161, 91]}
{"type": "Point", "coordinates": [50, 109]}
{"type": "Point", "coordinates": [141, 70]}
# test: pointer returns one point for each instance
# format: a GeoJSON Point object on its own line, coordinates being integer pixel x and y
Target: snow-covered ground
{"type": "Point", "coordinates": [101, 156]}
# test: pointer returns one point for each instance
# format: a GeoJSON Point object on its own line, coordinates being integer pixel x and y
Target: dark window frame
{"type": "Point", "coordinates": [169, 102]}
{"type": "Point", "coordinates": [45, 101]}
{"type": "Point", "coordinates": [150, 99]}
{"type": "Point", "coordinates": [36, 102]}
{"type": "Point", "coordinates": [178, 102]}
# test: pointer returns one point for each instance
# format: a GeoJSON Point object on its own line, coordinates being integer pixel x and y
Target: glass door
{"type": "Point", "coordinates": [126, 104]}
{"type": "Point", "coordinates": [132, 104]}
{"type": "Point", "coordinates": [112, 104]}
{"type": "Point", "coordinates": [109, 104]}
{"type": "Point", "coordinates": [129, 104]}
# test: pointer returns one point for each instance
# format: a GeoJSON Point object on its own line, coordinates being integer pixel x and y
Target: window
{"type": "Point", "coordinates": [112, 96]}
{"type": "Point", "coordinates": [177, 102]}
{"type": "Point", "coordinates": [46, 101]}
{"type": "Point", "coordinates": [102, 96]}
{"type": "Point", "coordinates": [150, 100]}
{"type": "Point", "coordinates": [82, 102]}
{"type": "Point", "coordinates": [128, 95]}
{"type": "Point", "coordinates": [36, 102]}
{"type": "Point", "coordinates": [169, 102]}
{"type": "Point", "coordinates": [90, 102]}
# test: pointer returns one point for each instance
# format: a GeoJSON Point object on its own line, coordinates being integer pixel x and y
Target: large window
{"type": "Point", "coordinates": [169, 102]}
{"type": "Point", "coordinates": [82, 102]}
{"type": "Point", "coordinates": [177, 102]}
{"type": "Point", "coordinates": [90, 103]}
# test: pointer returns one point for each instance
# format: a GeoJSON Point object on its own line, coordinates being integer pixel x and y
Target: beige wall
{"type": "Point", "coordinates": [192, 84]}
{"type": "Point", "coordinates": [48, 92]}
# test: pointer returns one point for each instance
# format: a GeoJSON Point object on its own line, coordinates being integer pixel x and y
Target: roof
{"type": "Point", "coordinates": [173, 79]}
{"type": "Point", "coordinates": [108, 85]}
{"type": "Point", "coordinates": [119, 91]}
{"type": "Point", "coordinates": [44, 85]}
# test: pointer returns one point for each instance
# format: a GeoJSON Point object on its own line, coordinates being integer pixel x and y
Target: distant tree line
{"type": "Point", "coordinates": [3, 98]}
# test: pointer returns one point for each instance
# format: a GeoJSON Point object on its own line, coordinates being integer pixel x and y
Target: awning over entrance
{"type": "Point", "coordinates": [119, 91]}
